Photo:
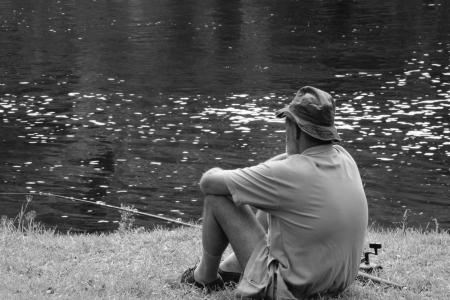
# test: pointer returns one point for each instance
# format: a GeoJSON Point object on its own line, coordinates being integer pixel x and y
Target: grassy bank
{"type": "Point", "coordinates": [139, 264]}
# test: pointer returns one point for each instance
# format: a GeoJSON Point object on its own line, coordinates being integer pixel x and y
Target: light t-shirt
{"type": "Point", "coordinates": [317, 219]}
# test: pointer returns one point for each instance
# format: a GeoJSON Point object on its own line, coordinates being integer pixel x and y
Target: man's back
{"type": "Point", "coordinates": [318, 216]}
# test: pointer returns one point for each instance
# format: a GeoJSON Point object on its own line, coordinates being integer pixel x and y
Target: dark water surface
{"type": "Point", "coordinates": [130, 101]}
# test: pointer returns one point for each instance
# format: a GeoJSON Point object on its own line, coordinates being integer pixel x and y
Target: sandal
{"type": "Point", "coordinates": [188, 278]}
{"type": "Point", "coordinates": [230, 277]}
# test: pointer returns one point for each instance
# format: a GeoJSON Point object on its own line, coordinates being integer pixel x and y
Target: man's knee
{"type": "Point", "coordinates": [216, 201]}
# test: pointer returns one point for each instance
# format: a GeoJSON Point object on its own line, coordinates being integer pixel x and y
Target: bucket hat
{"type": "Point", "coordinates": [313, 110]}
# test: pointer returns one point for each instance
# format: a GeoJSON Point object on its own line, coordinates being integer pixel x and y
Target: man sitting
{"type": "Point", "coordinates": [307, 235]}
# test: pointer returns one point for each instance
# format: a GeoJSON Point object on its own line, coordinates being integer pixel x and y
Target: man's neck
{"type": "Point", "coordinates": [305, 143]}
{"type": "Point", "coordinates": [309, 144]}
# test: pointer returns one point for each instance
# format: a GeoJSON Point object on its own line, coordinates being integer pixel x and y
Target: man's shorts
{"type": "Point", "coordinates": [261, 278]}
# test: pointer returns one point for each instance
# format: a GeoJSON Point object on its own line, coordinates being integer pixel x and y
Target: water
{"type": "Point", "coordinates": [130, 101]}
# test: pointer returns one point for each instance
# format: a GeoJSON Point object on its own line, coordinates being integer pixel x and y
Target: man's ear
{"type": "Point", "coordinates": [293, 126]}
{"type": "Point", "coordinates": [298, 133]}
{"type": "Point", "coordinates": [291, 137]}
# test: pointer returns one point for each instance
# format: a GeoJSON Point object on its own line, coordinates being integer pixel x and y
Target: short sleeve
{"type": "Point", "coordinates": [254, 186]}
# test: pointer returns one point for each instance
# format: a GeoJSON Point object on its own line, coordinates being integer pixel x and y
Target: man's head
{"type": "Point", "coordinates": [313, 112]}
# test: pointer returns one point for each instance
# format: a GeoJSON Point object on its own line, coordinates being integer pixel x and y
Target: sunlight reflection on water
{"type": "Point", "coordinates": [410, 129]}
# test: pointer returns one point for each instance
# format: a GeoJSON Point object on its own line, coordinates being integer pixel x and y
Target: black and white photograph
{"type": "Point", "coordinates": [225, 149]}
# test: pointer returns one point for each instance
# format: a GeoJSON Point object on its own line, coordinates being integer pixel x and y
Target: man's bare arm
{"type": "Point", "coordinates": [213, 182]}
{"type": "Point", "coordinates": [278, 157]}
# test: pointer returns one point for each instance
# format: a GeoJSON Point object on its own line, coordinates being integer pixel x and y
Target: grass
{"type": "Point", "coordinates": [37, 263]}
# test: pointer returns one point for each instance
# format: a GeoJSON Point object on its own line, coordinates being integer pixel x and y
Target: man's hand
{"type": "Point", "coordinates": [213, 182]}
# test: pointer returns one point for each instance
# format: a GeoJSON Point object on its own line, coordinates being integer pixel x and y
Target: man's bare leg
{"type": "Point", "coordinates": [223, 223]}
{"type": "Point", "coordinates": [230, 263]}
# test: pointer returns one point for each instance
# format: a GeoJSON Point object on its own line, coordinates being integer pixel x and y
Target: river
{"type": "Point", "coordinates": [128, 102]}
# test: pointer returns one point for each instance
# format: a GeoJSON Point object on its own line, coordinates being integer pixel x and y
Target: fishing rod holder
{"type": "Point", "coordinates": [366, 265]}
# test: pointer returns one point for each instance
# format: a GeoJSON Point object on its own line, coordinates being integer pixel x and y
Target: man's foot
{"type": "Point", "coordinates": [188, 278]}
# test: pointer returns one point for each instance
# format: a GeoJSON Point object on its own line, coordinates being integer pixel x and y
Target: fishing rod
{"type": "Point", "coordinates": [362, 276]}
{"type": "Point", "coordinates": [103, 204]}
{"type": "Point", "coordinates": [367, 267]}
